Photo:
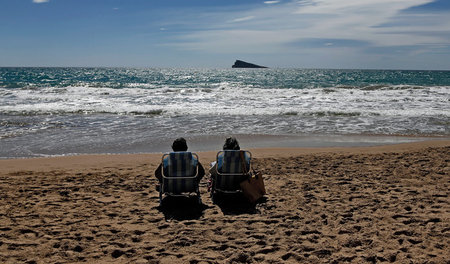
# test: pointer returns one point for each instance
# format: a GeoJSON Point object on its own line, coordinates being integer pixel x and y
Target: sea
{"type": "Point", "coordinates": [70, 111]}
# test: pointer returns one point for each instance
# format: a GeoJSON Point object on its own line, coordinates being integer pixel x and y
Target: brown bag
{"type": "Point", "coordinates": [253, 188]}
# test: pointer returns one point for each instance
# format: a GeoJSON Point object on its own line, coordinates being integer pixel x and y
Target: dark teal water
{"type": "Point", "coordinates": [261, 78]}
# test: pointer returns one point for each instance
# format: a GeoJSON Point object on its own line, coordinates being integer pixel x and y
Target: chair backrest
{"type": "Point", "coordinates": [179, 172]}
{"type": "Point", "coordinates": [180, 164]}
{"type": "Point", "coordinates": [230, 161]}
{"type": "Point", "coordinates": [230, 171]}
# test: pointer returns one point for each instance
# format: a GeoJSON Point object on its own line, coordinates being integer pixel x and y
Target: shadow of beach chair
{"type": "Point", "coordinates": [182, 208]}
{"type": "Point", "coordinates": [179, 175]}
{"type": "Point", "coordinates": [230, 171]}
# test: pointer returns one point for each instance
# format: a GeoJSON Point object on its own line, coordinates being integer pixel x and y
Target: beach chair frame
{"type": "Point", "coordinates": [169, 191]}
{"type": "Point", "coordinates": [215, 188]}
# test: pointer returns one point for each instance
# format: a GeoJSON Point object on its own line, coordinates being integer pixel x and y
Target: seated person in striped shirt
{"type": "Point", "coordinates": [179, 145]}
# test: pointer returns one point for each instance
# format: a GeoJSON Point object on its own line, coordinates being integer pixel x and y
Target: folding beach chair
{"type": "Point", "coordinates": [230, 171]}
{"type": "Point", "coordinates": [179, 175]}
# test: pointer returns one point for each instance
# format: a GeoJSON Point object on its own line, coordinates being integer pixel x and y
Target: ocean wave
{"type": "Point", "coordinates": [17, 126]}
{"type": "Point", "coordinates": [54, 112]}
{"type": "Point", "coordinates": [375, 87]}
{"type": "Point", "coordinates": [146, 113]}
{"type": "Point", "coordinates": [230, 101]}
{"type": "Point", "coordinates": [333, 113]}
{"type": "Point", "coordinates": [330, 114]}
{"type": "Point", "coordinates": [12, 123]}
{"type": "Point", "coordinates": [384, 87]}
{"type": "Point", "coordinates": [226, 96]}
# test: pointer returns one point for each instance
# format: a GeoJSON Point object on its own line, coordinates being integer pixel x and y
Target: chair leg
{"type": "Point", "coordinates": [214, 196]}
{"type": "Point", "coordinates": [213, 192]}
{"type": "Point", "coordinates": [198, 195]}
{"type": "Point", "coordinates": [213, 188]}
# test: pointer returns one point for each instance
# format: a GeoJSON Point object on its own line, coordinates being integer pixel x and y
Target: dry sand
{"type": "Point", "coordinates": [358, 205]}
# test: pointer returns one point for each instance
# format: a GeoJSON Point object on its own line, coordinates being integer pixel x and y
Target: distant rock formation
{"type": "Point", "coordinates": [243, 64]}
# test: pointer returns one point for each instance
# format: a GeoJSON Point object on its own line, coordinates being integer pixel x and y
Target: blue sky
{"type": "Point", "coordinates": [386, 34]}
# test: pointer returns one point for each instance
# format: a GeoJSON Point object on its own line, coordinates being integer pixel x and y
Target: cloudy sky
{"type": "Point", "coordinates": [374, 34]}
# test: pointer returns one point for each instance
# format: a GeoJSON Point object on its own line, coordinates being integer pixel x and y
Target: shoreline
{"type": "Point", "coordinates": [205, 143]}
{"type": "Point", "coordinates": [95, 161]}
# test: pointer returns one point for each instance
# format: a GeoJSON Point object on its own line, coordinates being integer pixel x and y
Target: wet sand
{"type": "Point", "coordinates": [357, 205]}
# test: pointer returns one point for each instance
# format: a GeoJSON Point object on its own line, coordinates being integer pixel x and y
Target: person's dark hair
{"type": "Point", "coordinates": [231, 143]}
{"type": "Point", "coordinates": [179, 144]}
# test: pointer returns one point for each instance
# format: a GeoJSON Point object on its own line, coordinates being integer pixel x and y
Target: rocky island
{"type": "Point", "coordinates": [243, 64]}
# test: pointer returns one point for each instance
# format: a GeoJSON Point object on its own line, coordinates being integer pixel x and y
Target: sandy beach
{"type": "Point", "coordinates": [387, 204]}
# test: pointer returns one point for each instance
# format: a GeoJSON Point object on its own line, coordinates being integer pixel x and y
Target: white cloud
{"type": "Point", "coordinates": [367, 20]}
{"type": "Point", "coordinates": [271, 2]}
{"type": "Point", "coordinates": [242, 19]}
{"type": "Point", "coordinates": [40, 1]}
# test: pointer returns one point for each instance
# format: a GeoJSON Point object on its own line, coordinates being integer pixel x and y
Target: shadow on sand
{"type": "Point", "coordinates": [235, 204]}
{"type": "Point", "coordinates": [182, 208]}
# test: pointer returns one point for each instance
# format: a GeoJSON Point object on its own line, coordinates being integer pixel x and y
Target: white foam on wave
{"type": "Point", "coordinates": [230, 99]}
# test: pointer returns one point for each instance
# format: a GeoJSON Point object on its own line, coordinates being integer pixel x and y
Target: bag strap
{"type": "Point", "coordinates": [244, 167]}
